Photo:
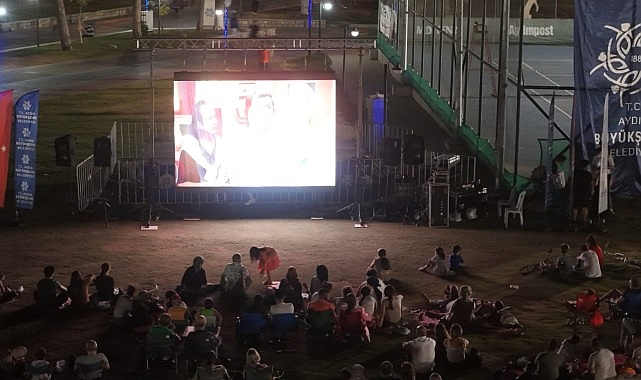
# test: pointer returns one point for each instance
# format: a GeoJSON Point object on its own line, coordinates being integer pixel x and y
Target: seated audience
{"type": "Point", "coordinates": [382, 265]}
{"type": "Point", "coordinates": [549, 362]}
{"type": "Point", "coordinates": [626, 304]}
{"type": "Point", "coordinates": [199, 342]}
{"type": "Point", "coordinates": [92, 363]}
{"type": "Point", "coordinates": [281, 307]}
{"type": "Point", "coordinates": [214, 317]}
{"type": "Point", "coordinates": [386, 369]}
{"type": "Point", "coordinates": [194, 281]}
{"type": "Point", "coordinates": [594, 246]}
{"type": "Point", "coordinates": [211, 369]}
{"type": "Point", "coordinates": [144, 310]}
{"type": "Point", "coordinates": [407, 371]}
{"type": "Point", "coordinates": [78, 289]}
{"type": "Point", "coordinates": [369, 304]}
{"type": "Point", "coordinates": [353, 320]}
{"type": "Point", "coordinates": [438, 265]}
{"type": "Point", "coordinates": [6, 293]}
{"type": "Point", "coordinates": [564, 265]}
{"type": "Point", "coordinates": [456, 259]}
{"type": "Point", "coordinates": [50, 294]}
{"type": "Point", "coordinates": [601, 361]}
{"type": "Point", "coordinates": [292, 289]}
{"type": "Point", "coordinates": [40, 368]}
{"type": "Point", "coordinates": [320, 280]}
{"type": "Point", "coordinates": [569, 349]}
{"type": "Point", "coordinates": [422, 350]}
{"type": "Point", "coordinates": [328, 287]}
{"type": "Point", "coordinates": [456, 346]}
{"type": "Point", "coordinates": [391, 312]}
{"type": "Point", "coordinates": [235, 279]}
{"type": "Point", "coordinates": [124, 304]}
{"type": "Point", "coordinates": [254, 369]}
{"type": "Point", "coordinates": [588, 263]}
{"type": "Point", "coordinates": [105, 286]}
{"type": "Point", "coordinates": [322, 303]}
{"type": "Point", "coordinates": [462, 310]}
{"type": "Point", "coordinates": [163, 328]}
{"type": "Point", "coordinates": [258, 305]}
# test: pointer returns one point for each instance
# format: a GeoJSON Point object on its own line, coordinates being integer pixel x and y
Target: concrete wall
{"type": "Point", "coordinates": [50, 22]}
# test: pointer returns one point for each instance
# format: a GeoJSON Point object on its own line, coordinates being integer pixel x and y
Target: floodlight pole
{"type": "Point", "coordinates": [37, 23]}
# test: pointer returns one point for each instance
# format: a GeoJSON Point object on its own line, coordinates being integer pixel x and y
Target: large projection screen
{"type": "Point", "coordinates": [255, 129]}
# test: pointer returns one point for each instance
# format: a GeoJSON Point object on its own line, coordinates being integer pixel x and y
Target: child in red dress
{"type": "Point", "coordinates": [267, 258]}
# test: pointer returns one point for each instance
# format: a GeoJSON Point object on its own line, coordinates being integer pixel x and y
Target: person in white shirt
{"type": "Point", "coordinates": [601, 361]}
{"type": "Point", "coordinates": [422, 348]}
{"type": "Point", "coordinates": [281, 306]}
{"type": "Point", "coordinates": [588, 263]}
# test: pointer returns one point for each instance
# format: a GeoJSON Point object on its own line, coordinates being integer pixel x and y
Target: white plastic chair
{"type": "Point", "coordinates": [516, 210]}
{"type": "Point", "coordinates": [505, 203]}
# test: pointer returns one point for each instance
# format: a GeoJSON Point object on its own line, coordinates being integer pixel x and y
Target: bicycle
{"type": "Point", "coordinates": [543, 266]}
{"type": "Point", "coordinates": [624, 259]}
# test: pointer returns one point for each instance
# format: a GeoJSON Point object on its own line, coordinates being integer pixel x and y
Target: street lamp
{"type": "Point", "coordinates": [328, 7]}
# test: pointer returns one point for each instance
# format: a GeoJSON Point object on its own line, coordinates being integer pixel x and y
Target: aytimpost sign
{"type": "Point", "coordinates": [607, 59]}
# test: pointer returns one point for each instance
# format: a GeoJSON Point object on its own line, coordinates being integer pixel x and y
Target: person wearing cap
{"type": "Point", "coordinates": [92, 363]}
{"type": "Point", "coordinates": [235, 278]}
{"type": "Point", "coordinates": [194, 281]}
{"type": "Point", "coordinates": [199, 342]}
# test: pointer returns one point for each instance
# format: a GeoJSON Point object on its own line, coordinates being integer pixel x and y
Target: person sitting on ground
{"type": "Point", "coordinates": [211, 369]}
{"type": "Point", "coordinates": [123, 307]}
{"type": "Point", "coordinates": [254, 369]}
{"type": "Point", "coordinates": [105, 286]}
{"type": "Point", "coordinates": [369, 304]}
{"type": "Point", "coordinates": [563, 263]}
{"type": "Point", "coordinates": [235, 279]}
{"type": "Point", "coordinates": [601, 361]}
{"type": "Point", "coordinates": [281, 307]}
{"type": "Point", "coordinates": [340, 302]}
{"type": "Point", "coordinates": [549, 362]}
{"type": "Point", "coordinates": [92, 363]}
{"type": "Point", "coordinates": [6, 293]}
{"type": "Point", "coordinates": [320, 280]}
{"type": "Point", "coordinates": [293, 289]}
{"type": "Point", "coordinates": [443, 305]}
{"type": "Point", "coordinates": [268, 261]}
{"type": "Point", "coordinates": [328, 287]}
{"type": "Point", "coordinates": [214, 317]}
{"type": "Point", "coordinates": [588, 263]}
{"type": "Point", "coordinates": [194, 281]}
{"type": "Point", "coordinates": [594, 246]}
{"type": "Point", "coordinates": [456, 346]}
{"type": "Point", "coordinates": [456, 259]}
{"type": "Point", "coordinates": [462, 310]}
{"type": "Point", "coordinates": [392, 312]}
{"type": "Point", "coordinates": [386, 369]}
{"type": "Point", "coordinates": [144, 310]}
{"type": "Point", "coordinates": [569, 349]}
{"type": "Point", "coordinates": [407, 371]}
{"type": "Point", "coordinates": [50, 294]}
{"type": "Point", "coordinates": [422, 350]}
{"type": "Point", "coordinates": [79, 288]}
{"type": "Point", "coordinates": [354, 320]}
{"type": "Point", "coordinates": [498, 317]}
{"type": "Point", "coordinates": [435, 376]}
{"type": "Point", "coordinates": [438, 265]}
{"type": "Point", "coordinates": [199, 342]}
{"type": "Point", "coordinates": [382, 265]}
{"type": "Point", "coordinates": [40, 368]}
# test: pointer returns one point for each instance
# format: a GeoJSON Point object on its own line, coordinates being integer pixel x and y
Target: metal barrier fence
{"type": "Point", "coordinates": [143, 169]}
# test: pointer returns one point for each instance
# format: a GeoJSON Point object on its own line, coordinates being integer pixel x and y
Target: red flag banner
{"type": "Point", "coordinates": [6, 116]}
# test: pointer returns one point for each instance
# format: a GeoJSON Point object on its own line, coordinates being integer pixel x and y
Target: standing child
{"type": "Point", "coordinates": [268, 260]}
{"type": "Point", "coordinates": [456, 260]}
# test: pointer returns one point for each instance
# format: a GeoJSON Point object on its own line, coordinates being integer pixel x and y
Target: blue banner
{"type": "Point", "coordinates": [607, 59]}
{"type": "Point", "coordinates": [26, 136]}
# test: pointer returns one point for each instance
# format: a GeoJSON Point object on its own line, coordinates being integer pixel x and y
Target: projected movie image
{"type": "Point", "coordinates": [255, 133]}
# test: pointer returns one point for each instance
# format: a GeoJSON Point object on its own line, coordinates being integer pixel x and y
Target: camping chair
{"type": "Point", "coordinates": [352, 327]}
{"type": "Point", "coordinates": [504, 203]}
{"type": "Point", "coordinates": [516, 210]}
{"type": "Point", "coordinates": [89, 370]}
{"type": "Point", "coordinates": [583, 308]}
{"type": "Point", "coordinates": [319, 324]}
{"type": "Point", "coordinates": [250, 327]}
{"type": "Point", "coordinates": [161, 347]}
{"type": "Point", "coordinates": [279, 326]}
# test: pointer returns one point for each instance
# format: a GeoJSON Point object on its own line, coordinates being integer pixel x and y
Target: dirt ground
{"type": "Point", "coordinates": [492, 257]}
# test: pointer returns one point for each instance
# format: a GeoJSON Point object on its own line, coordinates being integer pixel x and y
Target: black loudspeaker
{"type": "Point", "coordinates": [65, 150]}
{"type": "Point", "coordinates": [102, 151]}
{"type": "Point", "coordinates": [413, 150]}
{"type": "Point", "coordinates": [391, 151]}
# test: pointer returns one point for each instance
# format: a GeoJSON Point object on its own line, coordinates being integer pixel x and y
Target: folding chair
{"type": "Point", "coordinates": [279, 326]}
{"type": "Point", "coordinates": [89, 371]}
{"type": "Point", "coordinates": [319, 324]}
{"type": "Point", "coordinates": [250, 327]}
{"type": "Point", "coordinates": [161, 347]}
{"type": "Point", "coordinates": [583, 307]}
{"type": "Point", "coordinates": [179, 318]}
